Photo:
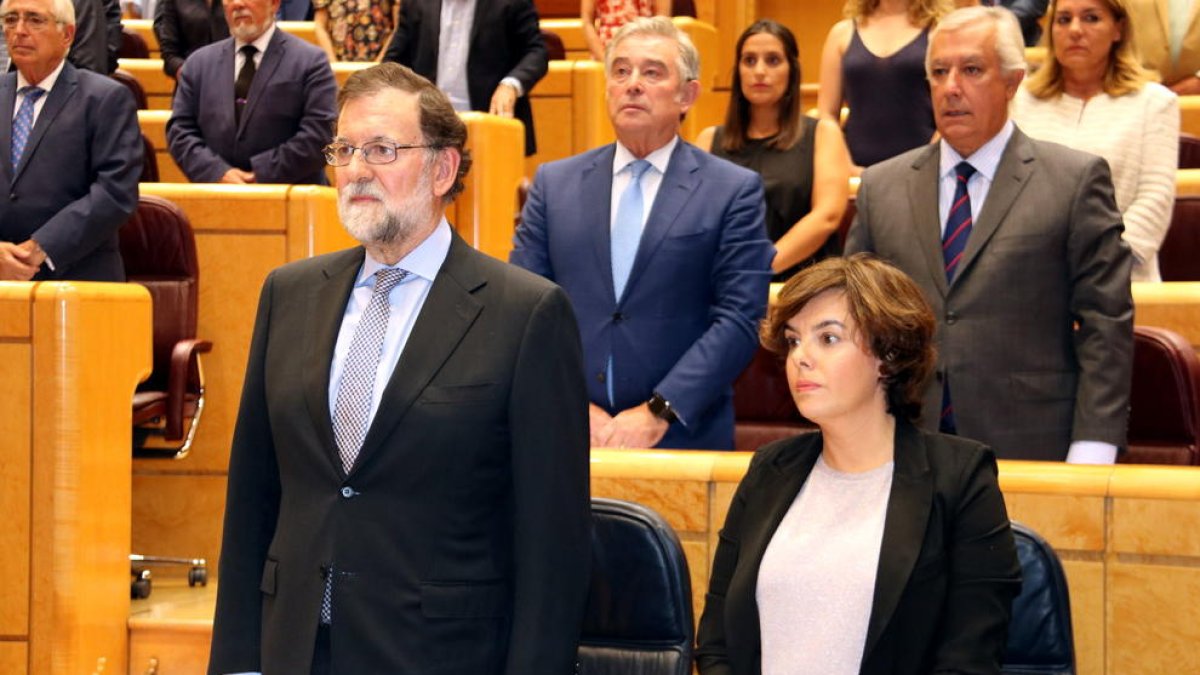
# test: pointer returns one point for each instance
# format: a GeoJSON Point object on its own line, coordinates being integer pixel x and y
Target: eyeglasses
{"type": "Point", "coordinates": [33, 21]}
{"type": "Point", "coordinates": [373, 152]}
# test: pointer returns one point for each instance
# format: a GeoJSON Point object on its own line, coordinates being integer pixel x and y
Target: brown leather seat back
{"type": "Point", "coordinates": [131, 83]}
{"type": "Point", "coordinates": [159, 251]}
{"type": "Point", "coordinates": [1179, 257]}
{"type": "Point", "coordinates": [133, 46]}
{"type": "Point", "coordinates": [149, 162]}
{"type": "Point", "coordinates": [763, 408]}
{"type": "Point", "coordinates": [1189, 151]}
{"type": "Point", "coordinates": [1164, 420]}
{"type": "Point", "coordinates": [555, 51]}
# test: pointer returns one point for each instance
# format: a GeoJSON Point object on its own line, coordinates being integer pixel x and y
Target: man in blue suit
{"type": "Point", "coordinates": [663, 251]}
{"type": "Point", "coordinates": [256, 107]}
{"type": "Point", "coordinates": [70, 154]}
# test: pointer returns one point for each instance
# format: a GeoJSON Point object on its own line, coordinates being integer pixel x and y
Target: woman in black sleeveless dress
{"type": "Point", "coordinates": [803, 162]}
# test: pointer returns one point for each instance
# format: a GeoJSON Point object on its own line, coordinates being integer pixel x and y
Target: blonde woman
{"type": "Point", "coordinates": [874, 62]}
{"type": "Point", "coordinates": [1092, 94]}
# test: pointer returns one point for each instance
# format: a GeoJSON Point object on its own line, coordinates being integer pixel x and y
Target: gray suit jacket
{"type": "Point", "coordinates": [1036, 332]}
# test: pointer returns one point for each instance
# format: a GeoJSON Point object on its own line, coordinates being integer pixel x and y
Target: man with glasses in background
{"type": "Point", "coordinates": [255, 107]}
{"type": "Point", "coordinates": [408, 483]}
{"type": "Point", "coordinates": [71, 153]}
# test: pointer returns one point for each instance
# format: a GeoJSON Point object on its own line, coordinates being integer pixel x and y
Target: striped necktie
{"type": "Point", "coordinates": [23, 122]}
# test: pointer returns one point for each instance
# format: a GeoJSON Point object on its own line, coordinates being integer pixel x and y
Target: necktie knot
{"type": "Point", "coordinates": [31, 92]}
{"type": "Point", "coordinates": [637, 168]}
{"type": "Point", "coordinates": [964, 171]}
{"type": "Point", "coordinates": [248, 51]}
{"type": "Point", "coordinates": [387, 278]}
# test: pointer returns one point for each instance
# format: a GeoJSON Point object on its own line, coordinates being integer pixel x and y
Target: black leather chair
{"type": "Point", "coordinates": [639, 612]}
{"type": "Point", "coordinates": [1040, 639]}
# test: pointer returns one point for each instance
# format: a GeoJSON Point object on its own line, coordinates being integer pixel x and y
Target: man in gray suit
{"type": "Point", "coordinates": [1035, 313]}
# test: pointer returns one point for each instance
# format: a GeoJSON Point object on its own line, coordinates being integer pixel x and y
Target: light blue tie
{"type": "Point", "coordinates": [627, 228]}
{"type": "Point", "coordinates": [23, 122]}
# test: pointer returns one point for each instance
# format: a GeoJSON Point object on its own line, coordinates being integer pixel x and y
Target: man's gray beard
{"type": "Point", "coordinates": [395, 224]}
{"type": "Point", "coordinates": [249, 33]}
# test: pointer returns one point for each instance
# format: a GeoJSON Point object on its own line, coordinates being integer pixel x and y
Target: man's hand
{"type": "Point", "coordinates": [17, 261]}
{"type": "Point", "coordinates": [237, 177]}
{"type": "Point", "coordinates": [598, 422]}
{"type": "Point", "coordinates": [504, 99]}
{"type": "Point", "coordinates": [632, 428]}
{"type": "Point", "coordinates": [1188, 86]}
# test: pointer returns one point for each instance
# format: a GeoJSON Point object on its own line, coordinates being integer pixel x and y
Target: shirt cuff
{"type": "Point", "coordinates": [515, 84]}
{"type": "Point", "coordinates": [1092, 452]}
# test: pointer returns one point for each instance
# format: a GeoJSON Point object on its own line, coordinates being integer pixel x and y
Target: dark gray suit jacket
{"type": "Point", "coordinates": [287, 120]}
{"type": "Point", "coordinates": [76, 184]}
{"type": "Point", "coordinates": [461, 537]}
{"type": "Point", "coordinates": [1036, 331]}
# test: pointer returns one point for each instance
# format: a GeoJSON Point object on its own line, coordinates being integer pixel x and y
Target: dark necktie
{"type": "Point", "coordinates": [954, 242]}
{"type": "Point", "coordinates": [23, 122]}
{"type": "Point", "coordinates": [241, 87]}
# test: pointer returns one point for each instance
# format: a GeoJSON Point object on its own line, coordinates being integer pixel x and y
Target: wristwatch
{"type": "Point", "coordinates": [661, 408]}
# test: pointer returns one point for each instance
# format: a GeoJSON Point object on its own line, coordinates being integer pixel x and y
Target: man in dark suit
{"type": "Point", "coordinates": [183, 26]}
{"type": "Point", "coordinates": [485, 54]}
{"type": "Point", "coordinates": [408, 484]}
{"type": "Point", "coordinates": [254, 108]}
{"type": "Point", "coordinates": [663, 250]}
{"type": "Point", "coordinates": [70, 154]}
{"type": "Point", "coordinates": [1036, 317]}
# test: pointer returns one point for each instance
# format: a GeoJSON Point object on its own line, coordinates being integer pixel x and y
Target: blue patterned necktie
{"type": "Point", "coordinates": [627, 228]}
{"type": "Point", "coordinates": [352, 409]}
{"type": "Point", "coordinates": [958, 223]}
{"type": "Point", "coordinates": [23, 122]}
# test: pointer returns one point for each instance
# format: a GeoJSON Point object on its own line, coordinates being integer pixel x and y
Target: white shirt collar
{"type": "Point", "coordinates": [658, 159]}
{"type": "Point", "coordinates": [985, 160]}
{"type": "Point", "coordinates": [47, 82]}
{"type": "Point", "coordinates": [423, 261]}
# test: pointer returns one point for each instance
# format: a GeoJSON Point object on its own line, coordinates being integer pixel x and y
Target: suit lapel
{"type": "Point", "coordinates": [271, 58]}
{"type": "Point", "coordinates": [597, 223]}
{"type": "Point", "coordinates": [8, 99]}
{"type": "Point", "coordinates": [64, 90]}
{"type": "Point", "coordinates": [903, 529]}
{"type": "Point", "coordinates": [1013, 172]}
{"type": "Point", "coordinates": [676, 188]}
{"type": "Point", "coordinates": [447, 314]}
{"type": "Point", "coordinates": [328, 302]}
{"type": "Point", "coordinates": [923, 200]}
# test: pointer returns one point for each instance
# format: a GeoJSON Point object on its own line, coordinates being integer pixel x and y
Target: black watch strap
{"type": "Point", "coordinates": [661, 408]}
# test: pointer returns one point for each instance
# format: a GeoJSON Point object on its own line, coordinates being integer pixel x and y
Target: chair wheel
{"type": "Point", "coordinates": [139, 587]}
{"type": "Point", "coordinates": [198, 576]}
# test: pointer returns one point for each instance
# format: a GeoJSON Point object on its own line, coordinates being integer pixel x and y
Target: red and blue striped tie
{"type": "Point", "coordinates": [954, 242]}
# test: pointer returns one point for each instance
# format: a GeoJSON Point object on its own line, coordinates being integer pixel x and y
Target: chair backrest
{"type": "Point", "coordinates": [1040, 638]}
{"type": "Point", "coordinates": [159, 251]}
{"type": "Point", "coordinates": [1189, 151]}
{"type": "Point", "coordinates": [149, 162]}
{"type": "Point", "coordinates": [1164, 411]}
{"type": "Point", "coordinates": [133, 45]}
{"type": "Point", "coordinates": [683, 8]}
{"type": "Point", "coordinates": [1179, 256]}
{"type": "Point", "coordinates": [131, 83]}
{"type": "Point", "coordinates": [639, 611]}
{"type": "Point", "coordinates": [555, 51]}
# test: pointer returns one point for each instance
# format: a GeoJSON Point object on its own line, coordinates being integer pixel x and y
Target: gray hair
{"type": "Point", "coordinates": [63, 11]}
{"type": "Point", "coordinates": [688, 63]}
{"type": "Point", "coordinates": [1010, 44]}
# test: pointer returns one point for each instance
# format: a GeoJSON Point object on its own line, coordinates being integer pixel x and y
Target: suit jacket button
{"type": "Point", "coordinates": [348, 492]}
{"type": "Point", "coordinates": [951, 318]}
{"type": "Point", "coordinates": [618, 317]}
{"type": "Point", "coordinates": [600, 377]}
{"type": "Point", "coordinates": [12, 197]}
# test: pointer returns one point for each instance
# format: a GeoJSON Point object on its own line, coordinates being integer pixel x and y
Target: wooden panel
{"type": "Point", "coordinates": [1174, 305]}
{"type": "Point", "coordinates": [14, 310]}
{"type": "Point", "coordinates": [313, 225]}
{"type": "Point", "coordinates": [1068, 522]}
{"type": "Point", "coordinates": [1086, 582]}
{"type": "Point", "coordinates": [144, 28]}
{"type": "Point", "coordinates": [217, 208]}
{"type": "Point", "coordinates": [1156, 527]}
{"type": "Point", "coordinates": [154, 124]}
{"type": "Point", "coordinates": [173, 627]}
{"type": "Point", "coordinates": [16, 400]}
{"type": "Point", "coordinates": [1189, 115]}
{"type": "Point", "coordinates": [149, 73]}
{"type": "Point", "coordinates": [684, 504]}
{"type": "Point", "coordinates": [14, 658]}
{"type": "Point", "coordinates": [179, 516]}
{"type": "Point", "coordinates": [91, 347]}
{"type": "Point", "coordinates": [1152, 611]}
{"type": "Point", "coordinates": [486, 208]}
{"type": "Point", "coordinates": [554, 131]}
{"type": "Point", "coordinates": [1187, 181]}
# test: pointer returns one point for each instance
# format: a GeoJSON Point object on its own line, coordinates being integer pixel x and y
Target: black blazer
{"type": "Point", "coordinates": [461, 537]}
{"type": "Point", "coordinates": [506, 40]}
{"type": "Point", "coordinates": [948, 568]}
{"type": "Point", "coordinates": [77, 182]}
{"type": "Point", "coordinates": [183, 26]}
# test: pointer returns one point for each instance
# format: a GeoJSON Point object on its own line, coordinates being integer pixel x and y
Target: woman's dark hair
{"type": "Point", "coordinates": [892, 316]}
{"type": "Point", "coordinates": [737, 117]}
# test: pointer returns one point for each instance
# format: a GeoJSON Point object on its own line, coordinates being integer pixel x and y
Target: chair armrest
{"type": "Point", "coordinates": [185, 360]}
